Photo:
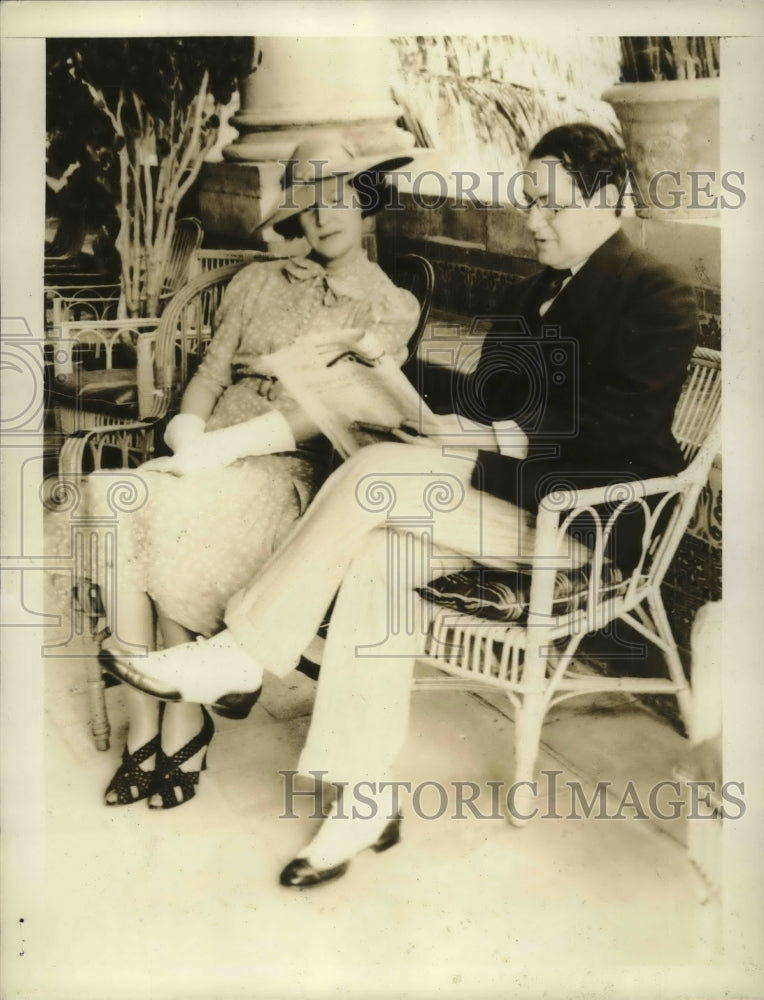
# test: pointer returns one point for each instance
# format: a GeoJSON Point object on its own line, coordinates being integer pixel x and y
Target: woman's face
{"type": "Point", "coordinates": [332, 227]}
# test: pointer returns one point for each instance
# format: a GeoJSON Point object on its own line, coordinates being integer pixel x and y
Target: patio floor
{"type": "Point", "coordinates": [135, 903]}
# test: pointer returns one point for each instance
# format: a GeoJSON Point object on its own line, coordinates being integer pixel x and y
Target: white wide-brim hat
{"type": "Point", "coordinates": [326, 161]}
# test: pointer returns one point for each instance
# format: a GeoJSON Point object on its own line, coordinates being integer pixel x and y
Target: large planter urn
{"type": "Point", "coordinates": [671, 132]}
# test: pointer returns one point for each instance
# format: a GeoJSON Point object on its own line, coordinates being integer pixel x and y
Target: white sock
{"type": "Point", "coordinates": [342, 835]}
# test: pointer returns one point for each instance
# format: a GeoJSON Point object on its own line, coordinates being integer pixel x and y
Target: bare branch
{"type": "Point", "coordinates": [194, 140]}
{"type": "Point", "coordinates": [138, 112]}
{"type": "Point", "coordinates": [100, 102]}
{"type": "Point", "coordinates": [193, 172]}
{"type": "Point", "coordinates": [190, 153]}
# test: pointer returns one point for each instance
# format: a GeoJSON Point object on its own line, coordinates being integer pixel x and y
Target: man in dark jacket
{"type": "Point", "coordinates": [577, 384]}
{"type": "Point", "coordinates": [590, 369]}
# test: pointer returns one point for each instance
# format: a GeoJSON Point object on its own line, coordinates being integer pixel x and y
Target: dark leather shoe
{"type": "Point", "coordinates": [301, 873]}
{"type": "Point", "coordinates": [389, 836]}
{"type": "Point", "coordinates": [236, 706]}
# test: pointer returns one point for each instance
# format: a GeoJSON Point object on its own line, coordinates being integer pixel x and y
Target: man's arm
{"type": "Point", "coordinates": [624, 414]}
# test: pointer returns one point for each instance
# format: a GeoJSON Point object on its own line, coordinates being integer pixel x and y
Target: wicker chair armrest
{"type": "Point", "coordinates": [73, 448]}
{"type": "Point", "coordinates": [667, 504]}
{"type": "Point", "coordinates": [182, 323]}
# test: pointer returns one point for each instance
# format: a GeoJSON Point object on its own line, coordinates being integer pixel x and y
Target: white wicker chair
{"type": "Point", "coordinates": [91, 301]}
{"type": "Point", "coordinates": [206, 260]}
{"type": "Point", "coordinates": [532, 661]}
{"type": "Point", "coordinates": [87, 390]}
{"type": "Point", "coordinates": [96, 403]}
{"type": "Point", "coordinates": [179, 335]}
{"type": "Point", "coordinates": [167, 350]}
{"type": "Point", "coordinates": [186, 240]}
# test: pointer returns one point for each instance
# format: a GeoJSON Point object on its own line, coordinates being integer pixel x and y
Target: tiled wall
{"type": "Point", "coordinates": [475, 251]}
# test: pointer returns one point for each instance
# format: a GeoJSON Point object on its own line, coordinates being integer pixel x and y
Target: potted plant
{"type": "Point", "coordinates": [668, 107]}
{"type": "Point", "coordinates": [140, 114]}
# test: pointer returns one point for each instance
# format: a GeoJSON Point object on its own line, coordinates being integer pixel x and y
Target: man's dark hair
{"type": "Point", "coordinates": [591, 156]}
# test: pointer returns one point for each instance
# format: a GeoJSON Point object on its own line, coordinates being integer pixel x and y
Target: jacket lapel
{"type": "Point", "coordinates": [587, 290]}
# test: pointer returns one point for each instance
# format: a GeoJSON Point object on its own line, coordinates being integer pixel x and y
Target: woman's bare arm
{"type": "Point", "coordinates": [200, 397]}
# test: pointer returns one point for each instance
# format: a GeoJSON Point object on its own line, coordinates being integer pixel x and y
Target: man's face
{"type": "Point", "coordinates": [565, 228]}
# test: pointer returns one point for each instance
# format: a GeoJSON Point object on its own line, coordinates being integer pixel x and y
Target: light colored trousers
{"type": "Point", "coordinates": [392, 517]}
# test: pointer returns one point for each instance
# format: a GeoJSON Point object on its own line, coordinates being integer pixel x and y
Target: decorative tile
{"type": "Point", "coordinates": [465, 223]}
{"type": "Point", "coordinates": [681, 608]}
{"type": "Point", "coordinates": [710, 331]}
{"type": "Point", "coordinates": [458, 285]}
{"type": "Point", "coordinates": [713, 302]}
{"type": "Point", "coordinates": [706, 523]}
{"type": "Point", "coordinates": [695, 572]}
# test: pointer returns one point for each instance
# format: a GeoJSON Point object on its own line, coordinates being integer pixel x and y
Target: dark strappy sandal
{"type": "Point", "coordinates": [172, 784]}
{"type": "Point", "coordinates": [131, 782]}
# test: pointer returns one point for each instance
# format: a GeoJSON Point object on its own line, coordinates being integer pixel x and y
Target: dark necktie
{"type": "Point", "coordinates": [549, 284]}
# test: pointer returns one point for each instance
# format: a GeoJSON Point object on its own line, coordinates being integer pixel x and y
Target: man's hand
{"type": "Point", "coordinates": [447, 429]}
{"type": "Point", "coordinates": [511, 439]}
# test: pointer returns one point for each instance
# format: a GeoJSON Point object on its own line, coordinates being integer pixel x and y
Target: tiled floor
{"type": "Point", "coordinates": [185, 904]}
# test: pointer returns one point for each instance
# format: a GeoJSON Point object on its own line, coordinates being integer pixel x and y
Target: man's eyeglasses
{"type": "Point", "coordinates": [548, 211]}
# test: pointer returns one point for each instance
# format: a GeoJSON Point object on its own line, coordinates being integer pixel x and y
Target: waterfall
{"type": "Point", "coordinates": [481, 103]}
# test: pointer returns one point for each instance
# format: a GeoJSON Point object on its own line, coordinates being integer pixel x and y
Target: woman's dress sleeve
{"type": "Point", "coordinates": [394, 314]}
{"type": "Point", "coordinates": [233, 317]}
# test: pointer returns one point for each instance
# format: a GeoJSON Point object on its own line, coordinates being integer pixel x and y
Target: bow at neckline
{"type": "Point", "coordinates": [336, 285]}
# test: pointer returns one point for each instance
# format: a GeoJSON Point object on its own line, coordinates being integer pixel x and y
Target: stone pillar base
{"type": "Point", "coordinates": [299, 86]}
{"type": "Point", "coordinates": [232, 197]}
{"type": "Point", "coordinates": [368, 136]}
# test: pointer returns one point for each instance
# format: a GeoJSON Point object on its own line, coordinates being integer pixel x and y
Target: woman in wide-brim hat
{"type": "Point", "coordinates": [325, 170]}
{"type": "Point", "coordinates": [246, 460]}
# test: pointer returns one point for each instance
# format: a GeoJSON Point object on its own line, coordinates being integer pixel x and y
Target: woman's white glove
{"type": "Point", "coordinates": [263, 435]}
{"type": "Point", "coordinates": [183, 429]}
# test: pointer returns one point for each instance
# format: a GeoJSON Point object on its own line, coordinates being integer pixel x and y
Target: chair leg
{"type": "Point", "coordinates": [529, 720]}
{"type": "Point", "coordinates": [87, 604]}
{"type": "Point", "coordinates": [673, 661]}
{"type": "Point", "coordinates": [99, 719]}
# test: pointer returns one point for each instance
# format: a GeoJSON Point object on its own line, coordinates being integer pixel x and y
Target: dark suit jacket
{"type": "Point", "coordinates": [594, 383]}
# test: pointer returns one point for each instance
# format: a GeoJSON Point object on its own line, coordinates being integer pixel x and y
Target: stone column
{"type": "Point", "coordinates": [299, 85]}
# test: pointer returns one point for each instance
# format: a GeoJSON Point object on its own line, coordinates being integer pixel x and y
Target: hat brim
{"type": "Point", "coordinates": [299, 197]}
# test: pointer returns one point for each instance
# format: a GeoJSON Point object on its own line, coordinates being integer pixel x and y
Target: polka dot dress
{"type": "Point", "coordinates": [200, 538]}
